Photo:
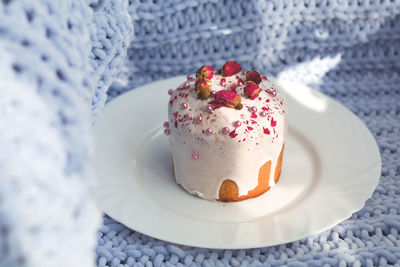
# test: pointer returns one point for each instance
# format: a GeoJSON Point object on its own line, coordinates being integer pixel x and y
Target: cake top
{"type": "Point", "coordinates": [229, 104]}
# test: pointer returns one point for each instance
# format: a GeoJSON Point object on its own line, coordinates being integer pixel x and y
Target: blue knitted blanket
{"type": "Point", "coordinates": [61, 60]}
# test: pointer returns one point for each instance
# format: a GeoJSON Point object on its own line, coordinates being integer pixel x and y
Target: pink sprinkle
{"type": "Point", "coordinates": [212, 93]}
{"type": "Point", "coordinates": [253, 109]}
{"type": "Point", "coordinates": [199, 119]}
{"type": "Point", "coordinates": [184, 105]}
{"type": "Point", "coordinates": [189, 116]}
{"type": "Point", "coordinates": [195, 156]}
{"type": "Point", "coordinates": [237, 123]}
{"type": "Point", "coordinates": [253, 115]}
{"type": "Point", "coordinates": [263, 113]}
{"type": "Point", "coordinates": [167, 131]}
{"type": "Point", "coordinates": [189, 77]}
{"type": "Point", "coordinates": [222, 82]}
{"type": "Point", "coordinates": [209, 109]}
{"type": "Point", "coordinates": [170, 91]}
{"type": "Point", "coordinates": [186, 85]}
{"type": "Point", "coordinates": [271, 92]}
{"type": "Point", "coordinates": [225, 130]}
{"type": "Point", "coordinates": [209, 131]}
{"type": "Point", "coordinates": [166, 124]}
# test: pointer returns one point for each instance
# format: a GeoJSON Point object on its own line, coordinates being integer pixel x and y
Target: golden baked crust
{"type": "Point", "coordinates": [228, 191]}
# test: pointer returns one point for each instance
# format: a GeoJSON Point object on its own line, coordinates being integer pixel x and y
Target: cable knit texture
{"type": "Point", "coordinates": [59, 58]}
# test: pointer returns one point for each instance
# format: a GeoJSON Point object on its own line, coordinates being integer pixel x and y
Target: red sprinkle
{"type": "Point", "coordinates": [249, 128]}
{"type": "Point", "coordinates": [253, 115]}
{"type": "Point", "coordinates": [266, 131]}
{"type": "Point", "coordinates": [273, 123]}
{"type": "Point", "coordinates": [176, 114]}
{"type": "Point", "coordinates": [233, 134]}
{"type": "Point", "coordinates": [176, 124]}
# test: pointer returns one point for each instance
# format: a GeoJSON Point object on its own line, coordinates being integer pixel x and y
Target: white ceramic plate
{"type": "Point", "coordinates": [330, 168]}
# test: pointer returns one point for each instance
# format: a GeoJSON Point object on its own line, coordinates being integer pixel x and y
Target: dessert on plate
{"type": "Point", "coordinates": [227, 131]}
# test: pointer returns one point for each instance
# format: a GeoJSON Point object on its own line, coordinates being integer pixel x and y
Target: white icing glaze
{"type": "Point", "coordinates": [221, 156]}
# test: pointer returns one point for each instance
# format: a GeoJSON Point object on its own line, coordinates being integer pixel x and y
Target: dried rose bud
{"type": "Point", "coordinates": [239, 106]}
{"type": "Point", "coordinates": [253, 76]}
{"type": "Point", "coordinates": [202, 89]}
{"type": "Point", "coordinates": [231, 68]}
{"type": "Point", "coordinates": [251, 90]}
{"type": "Point", "coordinates": [205, 73]}
{"type": "Point", "coordinates": [228, 99]}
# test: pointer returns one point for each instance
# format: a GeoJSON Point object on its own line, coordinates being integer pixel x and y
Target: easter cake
{"type": "Point", "coordinates": [227, 130]}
